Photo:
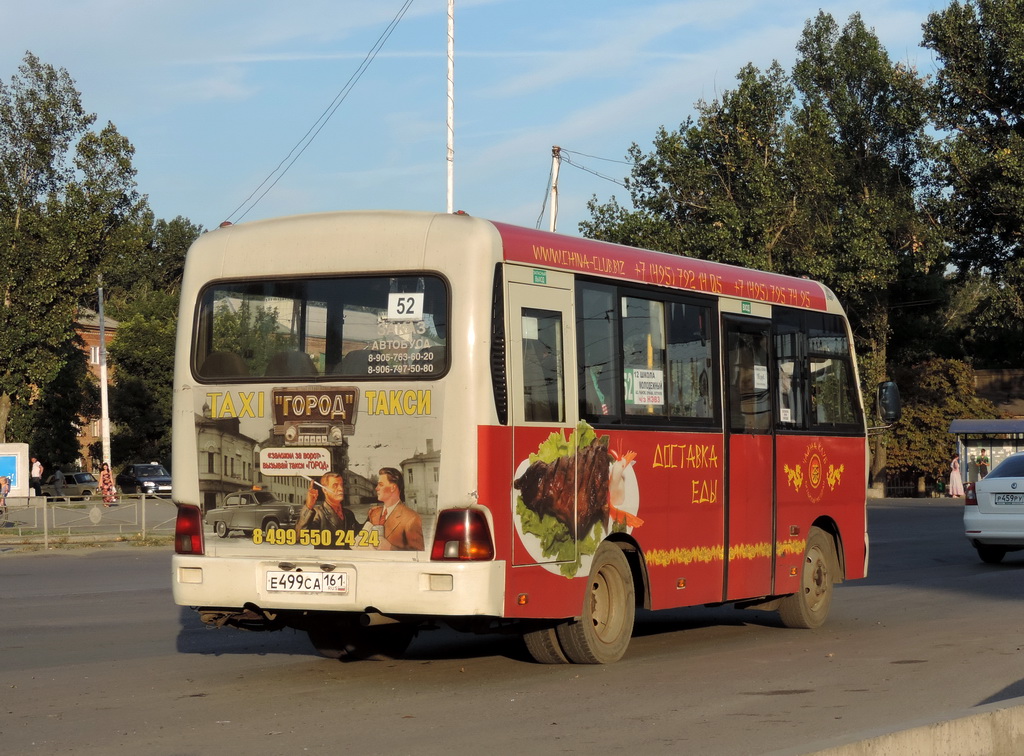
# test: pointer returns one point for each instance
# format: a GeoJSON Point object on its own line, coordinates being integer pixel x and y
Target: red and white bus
{"type": "Point", "coordinates": [457, 420]}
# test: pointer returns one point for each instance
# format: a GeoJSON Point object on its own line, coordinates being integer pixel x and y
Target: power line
{"type": "Point", "coordinates": [595, 157]}
{"type": "Point", "coordinates": [591, 171]}
{"type": "Point", "coordinates": [289, 160]}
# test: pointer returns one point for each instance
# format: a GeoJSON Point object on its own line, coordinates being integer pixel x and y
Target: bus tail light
{"type": "Point", "coordinates": [462, 534]}
{"type": "Point", "coordinates": [188, 531]}
{"type": "Point", "coordinates": [970, 495]}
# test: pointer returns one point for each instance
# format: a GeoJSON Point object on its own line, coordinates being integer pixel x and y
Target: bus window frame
{"type": "Point", "coordinates": [805, 354]}
{"type": "Point", "coordinates": [202, 330]}
{"type": "Point", "coordinates": [621, 419]}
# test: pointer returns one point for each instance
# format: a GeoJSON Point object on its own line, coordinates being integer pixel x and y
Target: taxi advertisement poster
{"type": "Point", "coordinates": [350, 469]}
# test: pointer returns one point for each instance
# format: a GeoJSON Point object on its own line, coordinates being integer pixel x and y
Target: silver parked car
{"type": "Point", "coordinates": [994, 510]}
{"type": "Point", "coordinates": [77, 485]}
{"type": "Point", "coordinates": [248, 510]}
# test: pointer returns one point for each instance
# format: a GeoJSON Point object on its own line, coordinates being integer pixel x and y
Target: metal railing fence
{"type": "Point", "coordinates": [59, 518]}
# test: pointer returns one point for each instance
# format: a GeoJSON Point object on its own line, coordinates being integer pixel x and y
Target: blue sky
{"type": "Point", "coordinates": [215, 94]}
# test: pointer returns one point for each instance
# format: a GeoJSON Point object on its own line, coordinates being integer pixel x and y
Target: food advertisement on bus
{"type": "Point", "coordinates": [321, 466]}
{"type": "Point", "coordinates": [561, 523]}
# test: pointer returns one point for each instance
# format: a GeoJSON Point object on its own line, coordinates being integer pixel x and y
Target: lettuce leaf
{"type": "Point", "coordinates": [556, 445]}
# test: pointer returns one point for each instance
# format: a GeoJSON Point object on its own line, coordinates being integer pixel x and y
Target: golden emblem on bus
{"type": "Point", "coordinates": [819, 472]}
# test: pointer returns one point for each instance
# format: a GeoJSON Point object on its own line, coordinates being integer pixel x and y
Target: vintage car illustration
{"type": "Point", "coordinates": [249, 510]}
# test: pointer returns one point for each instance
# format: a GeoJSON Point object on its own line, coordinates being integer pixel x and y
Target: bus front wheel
{"type": "Point", "coordinates": [602, 633]}
{"type": "Point", "coordinates": [808, 607]}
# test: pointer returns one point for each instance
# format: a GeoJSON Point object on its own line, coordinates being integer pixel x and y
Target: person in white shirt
{"type": "Point", "coordinates": [35, 477]}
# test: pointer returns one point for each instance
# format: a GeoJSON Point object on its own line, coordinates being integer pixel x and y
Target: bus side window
{"type": "Point", "coordinates": [749, 400]}
{"type": "Point", "coordinates": [831, 395]}
{"type": "Point", "coordinates": [543, 384]}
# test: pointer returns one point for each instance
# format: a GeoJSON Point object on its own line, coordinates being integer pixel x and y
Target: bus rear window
{"type": "Point", "coordinates": [338, 328]}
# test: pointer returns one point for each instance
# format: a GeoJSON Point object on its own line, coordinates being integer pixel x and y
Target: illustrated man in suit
{"type": "Point", "coordinates": [401, 528]}
{"type": "Point", "coordinates": [325, 510]}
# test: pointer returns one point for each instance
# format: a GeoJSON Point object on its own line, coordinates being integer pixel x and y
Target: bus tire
{"type": "Point", "coordinates": [544, 647]}
{"type": "Point", "coordinates": [603, 631]}
{"type": "Point", "coordinates": [808, 607]}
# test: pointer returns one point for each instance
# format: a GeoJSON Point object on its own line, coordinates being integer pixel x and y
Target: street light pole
{"type": "Point", "coordinates": [104, 413]}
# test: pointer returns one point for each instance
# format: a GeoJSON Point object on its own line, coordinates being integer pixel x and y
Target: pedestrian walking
{"type": "Point", "coordinates": [107, 488]}
{"type": "Point", "coordinates": [956, 483]}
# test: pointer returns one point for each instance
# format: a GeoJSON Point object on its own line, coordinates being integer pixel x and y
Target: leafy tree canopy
{"type": "Point", "coordinates": [67, 197]}
{"type": "Point", "coordinates": [934, 392]}
{"type": "Point", "coordinates": [979, 100]}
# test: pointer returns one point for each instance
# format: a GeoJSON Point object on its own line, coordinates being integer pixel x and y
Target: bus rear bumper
{"type": "Point", "coordinates": [426, 589]}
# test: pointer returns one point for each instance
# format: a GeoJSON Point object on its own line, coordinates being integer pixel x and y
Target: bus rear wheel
{"type": "Point", "coordinates": [602, 633]}
{"type": "Point", "coordinates": [544, 647]}
{"type": "Point", "coordinates": [808, 607]}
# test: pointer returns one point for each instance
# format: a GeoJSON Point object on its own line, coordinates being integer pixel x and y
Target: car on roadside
{"type": "Point", "coordinates": [77, 485]}
{"type": "Point", "coordinates": [994, 510]}
{"type": "Point", "coordinates": [151, 478]}
{"type": "Point", "coordinates": [249, 510]}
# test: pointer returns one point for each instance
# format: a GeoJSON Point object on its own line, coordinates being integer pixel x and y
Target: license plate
{"type": "Point", "coordinates": [307, 582]}
{"type": "Point", "coordinates": [1008, 498]}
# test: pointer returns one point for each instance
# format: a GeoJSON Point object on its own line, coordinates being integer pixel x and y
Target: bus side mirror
{"type": "Point", "coordinates": [889, 406]}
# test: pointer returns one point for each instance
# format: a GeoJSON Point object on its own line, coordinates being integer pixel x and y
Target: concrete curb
{"type": "Point", "coordinates": [991, 730]}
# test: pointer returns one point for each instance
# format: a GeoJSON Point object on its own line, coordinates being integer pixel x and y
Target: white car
{"type": "Point", "coordinates": [994, 510]}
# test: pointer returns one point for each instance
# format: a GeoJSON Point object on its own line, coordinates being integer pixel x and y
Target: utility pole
{"type": "Point", "coordinates": [451, 106]}
{"type": "Point", "coordinates": [556, 162]}
{"type": "Point", "coordinates": [104, 411]}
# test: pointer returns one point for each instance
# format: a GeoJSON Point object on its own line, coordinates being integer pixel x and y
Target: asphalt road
{"type": "Point", "coordinates": [96, 659]}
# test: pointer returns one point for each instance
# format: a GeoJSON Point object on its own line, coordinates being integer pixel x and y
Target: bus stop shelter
{"type": "Point", "coordinates": [1000, 438]}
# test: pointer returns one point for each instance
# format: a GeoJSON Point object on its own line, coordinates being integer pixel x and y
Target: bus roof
{"type": "Point", "coordinates": [311, 240]}
{"type": "Point", "coordinates": [602, 259]}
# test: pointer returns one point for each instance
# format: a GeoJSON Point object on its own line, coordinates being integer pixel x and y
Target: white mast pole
{"type": "Point", "coordinates": [451, 106]}
{"type": "Point", "coordinates": [104, 410]}
{"type": "Point", "coordinates": [556, 163]}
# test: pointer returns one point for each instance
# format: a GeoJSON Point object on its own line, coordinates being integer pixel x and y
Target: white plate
{"type": "Point", "coordinates": [306, 582]}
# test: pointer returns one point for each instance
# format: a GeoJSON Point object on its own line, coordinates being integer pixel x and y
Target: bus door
{"type": "Point", "coordinates": [750, 515]}
{"type": "Point", "coordinates": [542, 399]}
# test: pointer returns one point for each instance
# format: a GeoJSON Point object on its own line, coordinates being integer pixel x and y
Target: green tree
{"type": "Point", "coordinates": [717, 188]}
{"type": "Point", "coordinates": [142, 287]}
{"type": "Point", "coordinates": [50, 424]}
{"type": "Point", "coordinates": [862, 155]}
{"type": "Point", "coordinates": [132, 275]}
{"type": "Point", "coordinates": [934, 393]}
{"type": "Point", "coordinates": [142, 354]}
{"type": "Point", "coordinates": [979, 102]}
{"type": "Point", "coordinates": [67, 197]}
